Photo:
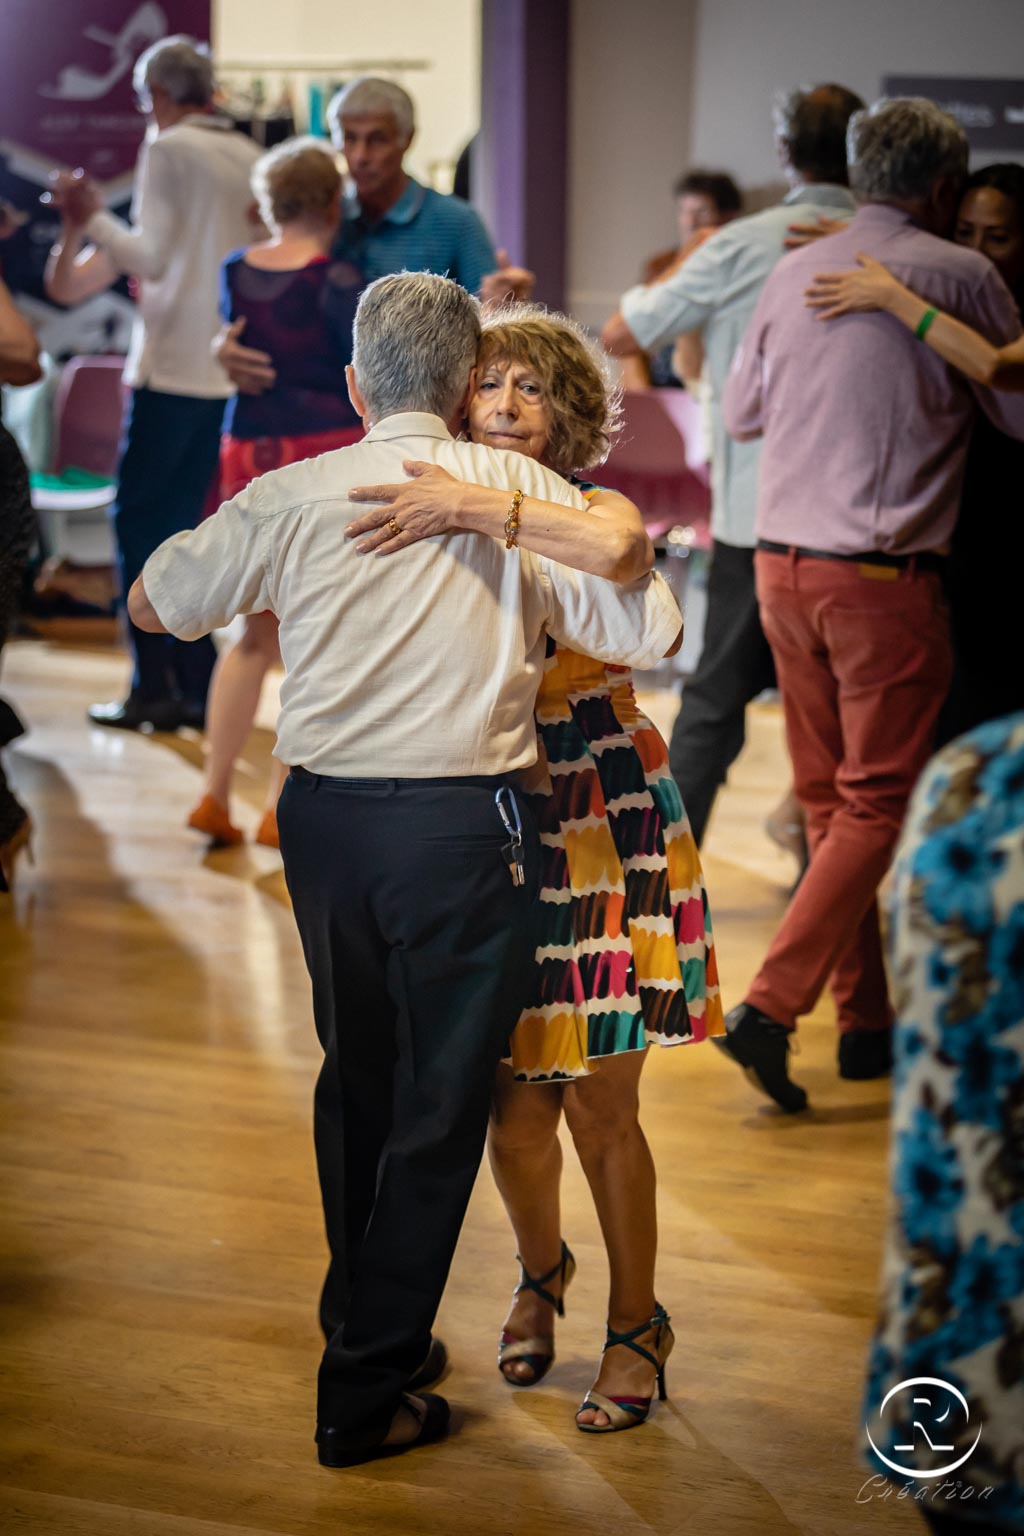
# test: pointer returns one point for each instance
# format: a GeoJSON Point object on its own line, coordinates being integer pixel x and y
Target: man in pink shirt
{"type": "Point", "coordinates": [865, 438]}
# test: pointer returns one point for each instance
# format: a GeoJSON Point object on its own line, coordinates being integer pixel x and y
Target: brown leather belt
{"type": "Point", "coordinates": [927, 560]}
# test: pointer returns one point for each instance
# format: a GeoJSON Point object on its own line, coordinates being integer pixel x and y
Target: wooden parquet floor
{"type": "Point", "coordinates": [160, 1237]}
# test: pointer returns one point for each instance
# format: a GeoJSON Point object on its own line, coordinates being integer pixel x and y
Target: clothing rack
{"type": "Point", "coordinates": [320, 66]}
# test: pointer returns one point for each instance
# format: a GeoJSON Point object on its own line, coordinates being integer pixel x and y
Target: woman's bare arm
{"type": "Point", "coordinates": [609, 539]}
{"type": "Point", "coordinates": [871, 286]}
{"type": "Point", "coordinates": [75, 271]}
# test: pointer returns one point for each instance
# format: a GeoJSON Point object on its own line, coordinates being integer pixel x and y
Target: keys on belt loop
{"type": "Point", "coordinates": [512, 852]}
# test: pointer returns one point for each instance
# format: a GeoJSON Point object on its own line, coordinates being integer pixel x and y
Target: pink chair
{"type": "Point", "coordinates": [658, 461]}
{"type": "Point", "coordinates": [87, 408]}
{"type": "Point", "coordinates": [87, 411]}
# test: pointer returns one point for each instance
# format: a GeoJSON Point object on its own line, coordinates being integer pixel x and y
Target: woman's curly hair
{"type": "Point", "coordinates": [579, 387]}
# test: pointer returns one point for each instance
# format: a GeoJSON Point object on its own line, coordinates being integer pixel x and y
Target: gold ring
{"type": "Point", "coordinates": [393, 528]}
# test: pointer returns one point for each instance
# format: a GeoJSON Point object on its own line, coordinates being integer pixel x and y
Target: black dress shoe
{"type": "Point", "coordinates": [137, 714]}
{"type": "Point", "coordinates": [341, 1448]}
{"type": "Point", "coordinates": [433, 1368]}
{"type": "Point", "coordinates": [760, 1045]}
{"type": "Point", "coordinates": [11, 727]}
{"type": "Point", "coordinates": [865, 1053]}
{"type": "Point", "coordinates": [192, 715]}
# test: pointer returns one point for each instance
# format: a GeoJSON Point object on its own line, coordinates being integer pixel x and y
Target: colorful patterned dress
{"type": "Point", "coordinates": [625, 954]}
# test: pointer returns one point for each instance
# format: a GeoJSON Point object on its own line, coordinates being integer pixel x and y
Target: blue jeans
{"type": "Point", "coordinates": [169, 449]}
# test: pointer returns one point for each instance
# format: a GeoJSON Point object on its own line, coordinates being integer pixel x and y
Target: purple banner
{"type": "Point", "coordinates": [67, 97]}
{"type": "Point", "coordinates": [68, 101]}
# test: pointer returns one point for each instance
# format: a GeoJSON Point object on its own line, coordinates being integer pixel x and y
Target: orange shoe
{"type": "Point", "coordinates": [267, 834]}
{"type": "Point", "coordinates": [211, 817]}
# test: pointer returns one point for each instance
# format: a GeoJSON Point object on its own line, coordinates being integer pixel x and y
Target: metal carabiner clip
{"type": "Point", "coordinates": [512, 823]}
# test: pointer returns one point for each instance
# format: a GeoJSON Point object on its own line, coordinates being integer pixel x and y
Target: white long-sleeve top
{"type": "Point", "coordinates": [190, 210]}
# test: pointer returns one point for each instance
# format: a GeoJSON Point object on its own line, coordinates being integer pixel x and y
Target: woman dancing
{"type": "Point", "coordinates": [625, 954]}
{"type": "Point", "coordinates": [294, 303]}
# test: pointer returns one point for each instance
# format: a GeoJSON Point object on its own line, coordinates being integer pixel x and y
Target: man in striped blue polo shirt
{"type": "Point", "coordinates": [390, 222]}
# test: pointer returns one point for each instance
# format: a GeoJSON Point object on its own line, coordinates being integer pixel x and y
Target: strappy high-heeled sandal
{"type": "Point", "coordinates": [538, 1353]}
{"type": "Point", "coordinates": [628, 1412]}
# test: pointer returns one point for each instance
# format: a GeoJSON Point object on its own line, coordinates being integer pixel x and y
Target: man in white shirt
{"type": "Point", "coordinates": [411, 908]}
{"type": "Point", "coordinates": [191, 209]}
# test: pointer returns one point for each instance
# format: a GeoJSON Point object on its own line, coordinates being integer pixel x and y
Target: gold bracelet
{"type": "Point", "coordinates": [512, 521]}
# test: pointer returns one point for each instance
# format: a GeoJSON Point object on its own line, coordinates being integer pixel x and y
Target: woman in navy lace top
{"type": "Point", "coordinates": [294, 302]}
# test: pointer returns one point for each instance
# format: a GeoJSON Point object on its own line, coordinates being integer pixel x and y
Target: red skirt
{"type": "Point", "coordinates": [244, 458]}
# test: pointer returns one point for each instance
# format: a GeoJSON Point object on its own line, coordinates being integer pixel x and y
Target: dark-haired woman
{"type": "Point", "coordinates": [987, 554]}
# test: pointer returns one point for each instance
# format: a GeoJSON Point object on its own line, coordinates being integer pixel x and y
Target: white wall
{"type": "Point", "coordinates": [443, 34]}
{"type": "Point", "coordinates": [628, 141]}
{"type": "Point", "coordinates": [745, 50]}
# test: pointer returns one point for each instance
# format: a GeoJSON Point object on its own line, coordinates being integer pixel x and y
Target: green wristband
{"type": "Point", "coordinates": [924, 324]}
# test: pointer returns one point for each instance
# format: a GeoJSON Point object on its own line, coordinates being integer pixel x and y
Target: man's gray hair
{"type": "Point", "coordinates": [370, 96]}
{"type": "Point", "coordinates": [181, 67]}
{"type": "Point", "coordinates": [415, 342]}
{"type": "Point", "coordinates": [898, 148]}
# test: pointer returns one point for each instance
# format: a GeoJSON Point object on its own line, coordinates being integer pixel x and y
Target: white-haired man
{"type": "Point", "coordinates": [407, 708]}
{"type": "Point", "coordinates": [390, 222]}
{"type": "Point", "coordinates": [191, 208]}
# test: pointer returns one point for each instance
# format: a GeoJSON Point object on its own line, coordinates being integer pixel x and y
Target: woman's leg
{"type": "Point", "coordinates": [234, 699]}
{"type": "Point", "coordinates": [602, 1112]}
{"type": "Point", "coordinates": [526, 1160]}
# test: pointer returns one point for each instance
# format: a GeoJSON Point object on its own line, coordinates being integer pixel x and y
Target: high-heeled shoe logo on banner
{"type": "Point", "coordinates": [68, 100]}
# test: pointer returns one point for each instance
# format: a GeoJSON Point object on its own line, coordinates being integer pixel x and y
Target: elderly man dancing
{"type": "Point", "coordinates": [406, 708]}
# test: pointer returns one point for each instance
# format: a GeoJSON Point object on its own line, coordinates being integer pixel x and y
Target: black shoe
{"type": "Point", "coordinates": [434, 1367]}
{"type": "Point", "coordinates": [760, 1046]}
{"type": "Point", "coordinates": [336, 1448]}
{"type": "Point", "coordinates": [137, 714]}
{"type": "Point", "coordinates": [11, 727]}
{"type": "Point", "coordinates": [865, 1053]}
{"type": "Point", "coordinates": [193, 715]}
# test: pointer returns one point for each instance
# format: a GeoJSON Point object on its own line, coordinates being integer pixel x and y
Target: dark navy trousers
{"type": "Point", "coordinates": [419, 949]}
{"type": "Point", "coordinates": [169, 450]}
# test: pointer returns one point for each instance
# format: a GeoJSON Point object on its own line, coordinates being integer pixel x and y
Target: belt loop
{"type": "Point", "coordinates": [912, 566]}
{"type": "Point", "coordinates": [793, 555]}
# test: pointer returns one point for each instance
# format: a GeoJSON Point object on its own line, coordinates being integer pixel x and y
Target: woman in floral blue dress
{"type": "Point", "coordinates": [953, 1282]}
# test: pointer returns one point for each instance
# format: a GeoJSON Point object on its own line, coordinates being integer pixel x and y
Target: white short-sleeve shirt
{"type": "Point", "coordinates": [424, 664]}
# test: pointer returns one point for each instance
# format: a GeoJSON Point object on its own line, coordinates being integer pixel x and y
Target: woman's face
{"type": "Point", "coordinates": [988, 221]}
{"type": "Point", "coordinates": [509, 409]}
